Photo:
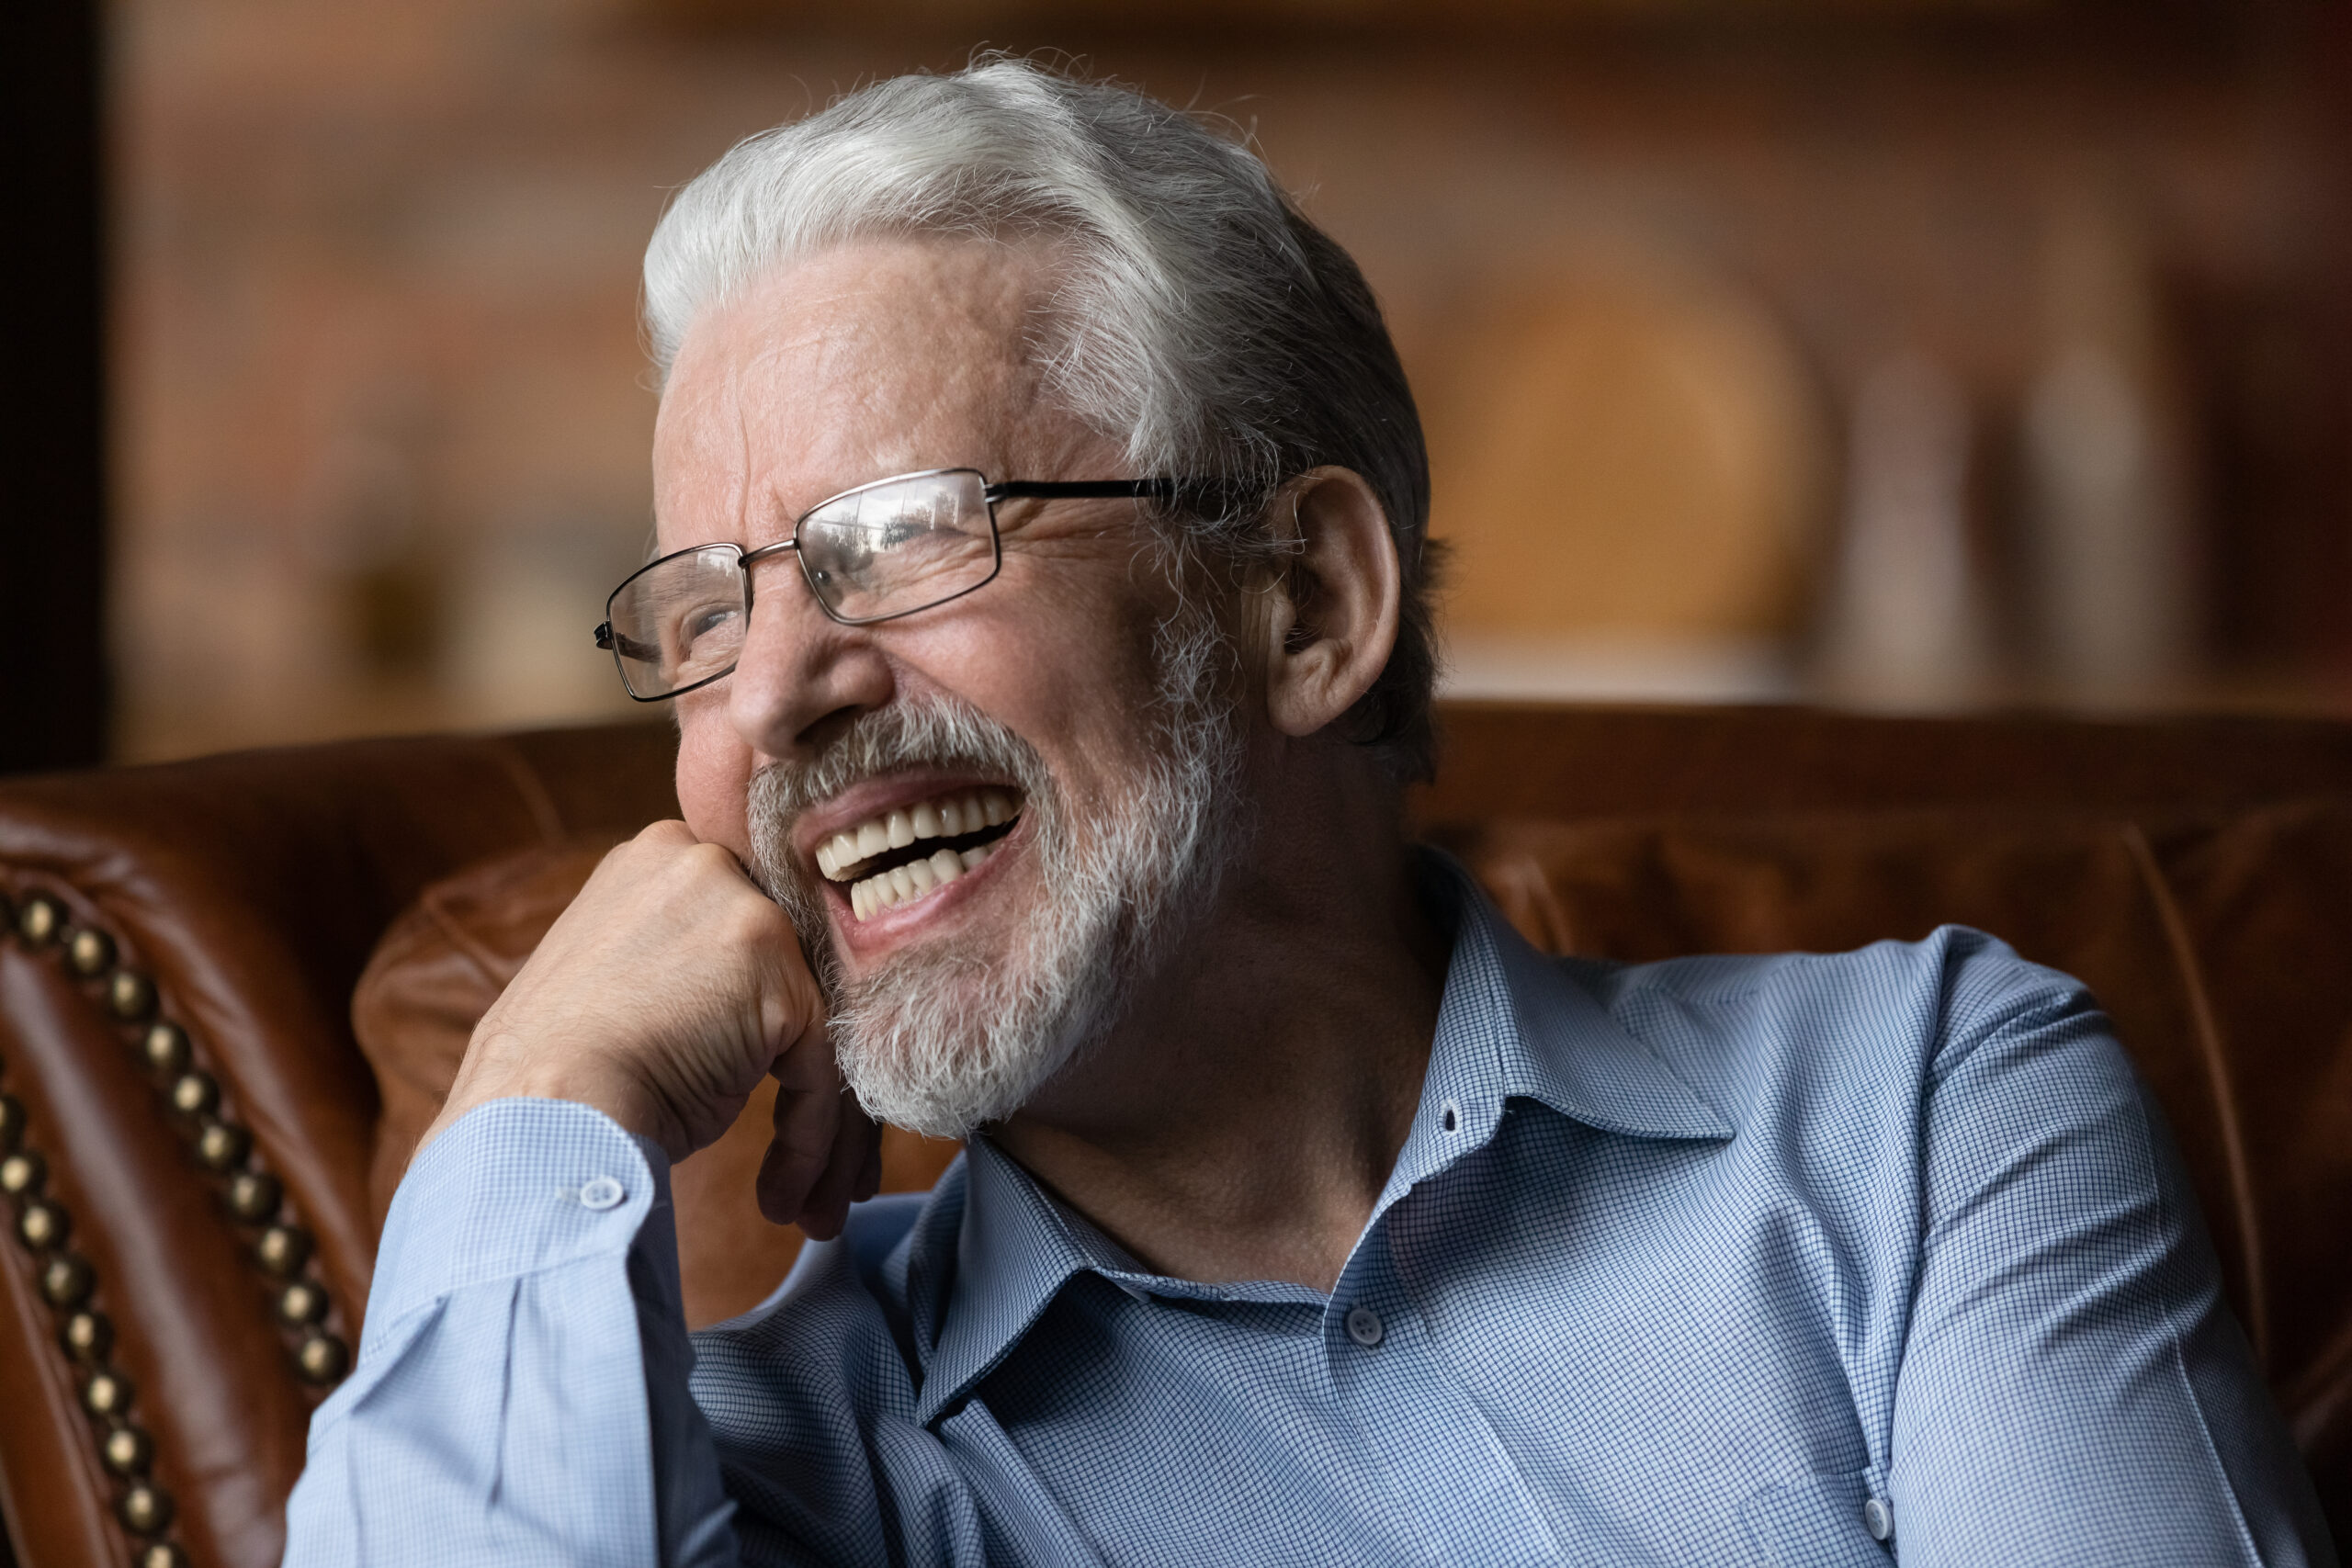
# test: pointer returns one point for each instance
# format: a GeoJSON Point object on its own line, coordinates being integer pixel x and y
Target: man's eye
{"type": "Point", "coordinates": [703, 623]}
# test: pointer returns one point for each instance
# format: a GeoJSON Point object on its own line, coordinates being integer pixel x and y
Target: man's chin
{"type": "Point", "coordinates": [918, 959]}
{"type": "Point", "coordinates": [942, 1042]}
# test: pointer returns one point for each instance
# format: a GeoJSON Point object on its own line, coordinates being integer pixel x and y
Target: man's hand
{"type": "Point", "coordinates": [661, 997]}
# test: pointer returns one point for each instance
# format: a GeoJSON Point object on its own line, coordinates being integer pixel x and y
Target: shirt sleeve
{"type": "Point", "coordinates": [2073, 1389]}
{"type": "Point", "coordinates": [521, 1392]}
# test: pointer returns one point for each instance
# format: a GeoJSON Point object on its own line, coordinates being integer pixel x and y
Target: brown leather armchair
{"type": "Point", "coordinates": [187, 1124]}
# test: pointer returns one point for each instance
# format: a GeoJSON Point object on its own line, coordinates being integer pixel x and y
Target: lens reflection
{"type": "Point", "coordinates": [899, 546]}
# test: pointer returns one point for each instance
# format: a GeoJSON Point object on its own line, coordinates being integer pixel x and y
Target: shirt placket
{"type": "Point", "coordinates": [1450, 1479]}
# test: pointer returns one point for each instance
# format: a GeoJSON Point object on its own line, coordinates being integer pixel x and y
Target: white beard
{"type": "Point", "coordinates": [946, 1038]}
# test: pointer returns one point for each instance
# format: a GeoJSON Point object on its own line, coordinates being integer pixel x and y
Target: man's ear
{"type": "Point", "coordinates": [1332, 613]}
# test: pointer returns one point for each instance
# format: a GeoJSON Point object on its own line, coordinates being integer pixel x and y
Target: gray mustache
{"type": "Point", "coordinates": [941, 732]}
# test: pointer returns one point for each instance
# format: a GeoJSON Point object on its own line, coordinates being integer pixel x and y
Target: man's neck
{"type": "Point", "coordinates": [1243, 1121]}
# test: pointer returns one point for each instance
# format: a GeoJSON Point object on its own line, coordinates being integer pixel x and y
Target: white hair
{"type": "Point", "coordinates": [1197, 317]}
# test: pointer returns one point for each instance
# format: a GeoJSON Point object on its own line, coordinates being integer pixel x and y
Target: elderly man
{"type": "Point", "coordinates": [1044, 605]}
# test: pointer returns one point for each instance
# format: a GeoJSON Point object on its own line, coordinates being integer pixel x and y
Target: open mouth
{"type": "Point", "coordinates": [904, 853]}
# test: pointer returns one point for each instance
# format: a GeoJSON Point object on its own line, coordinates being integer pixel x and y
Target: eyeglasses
{"type": "Point", "coordinates": [873, 553]}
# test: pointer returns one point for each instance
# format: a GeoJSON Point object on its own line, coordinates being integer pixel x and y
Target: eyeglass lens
{"type": "Point", "coordinates": [900, 546]}
{"type": "Point", "coordinates": [883, 550]}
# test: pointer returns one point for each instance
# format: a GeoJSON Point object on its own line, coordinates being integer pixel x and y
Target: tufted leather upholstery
{"type": "Point", "coordinates": [2199, 874]}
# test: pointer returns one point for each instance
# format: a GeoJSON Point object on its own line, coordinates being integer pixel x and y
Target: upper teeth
{"type": "Point", "coordinates": [943, 817]}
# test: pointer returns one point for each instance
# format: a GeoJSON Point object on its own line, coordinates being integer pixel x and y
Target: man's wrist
{"type": "Point", "coordinates": [615, 1094]}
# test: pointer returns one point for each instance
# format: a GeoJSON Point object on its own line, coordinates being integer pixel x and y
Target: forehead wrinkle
{"type": "Point", "coordinates": [919, 358]}
{"type": "Point", "coordinates": [894, 415]}
{"type": "Point", "coordinates": [705, 461]}
{"type": "Point", "coordinates": [743, 482]}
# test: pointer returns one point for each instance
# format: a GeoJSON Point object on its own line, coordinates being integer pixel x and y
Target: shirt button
{"type": "Point", "coordinates": [1878, 1518]}
{"type": "Point", "coordinates": [603, 1192]}
{"type": "Point", "coordinates": [1364, 1326]}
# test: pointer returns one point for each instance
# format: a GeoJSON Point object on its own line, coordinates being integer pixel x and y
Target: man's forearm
{"type": "Point", "coordinates": [521, 1391]}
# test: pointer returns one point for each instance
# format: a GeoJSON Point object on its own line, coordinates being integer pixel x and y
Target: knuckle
{"type": "Point", "coordinates": [670, 830]}
{"type": "Point", "coordinates": [747, 911]}
{"type": "Point", "coordinates": [712, 859]}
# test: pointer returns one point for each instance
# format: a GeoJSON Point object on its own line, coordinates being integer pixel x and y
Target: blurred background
{"type": "Point", "coordinates": [1919, 355]}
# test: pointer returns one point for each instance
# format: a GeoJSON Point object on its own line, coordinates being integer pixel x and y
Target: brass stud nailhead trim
{"type": "Point", "coordinates": [145, 1509]}
{"type": "Point", "coordinates": [108, 1392]}
{"type": "Point", "coordinates": [39, 921]}
{"type": "Point", "coordinates": [131, 996]}
{"type": "Point", "coordinates": [283, 1249]}
{"type": "Point", "coordinates": [301, 1302]}
{"type": "Point", "coordinates": [253, 1196]}
{"type": "Point", "coordinates": [165, 1048]}
{"type": "Point", "coordinates": [89, 953]}
{"type": "Point", "coordinates": [323, 1358]}
{"type": "Point", "coordinates": [194, 1093]}
{"type": "Point", "coordinates": [87, 1335]}
{"type": "Point", "coordinates": [22, 1173]}
{"type": "Point", "coordinates": [128, 1450]}
{"type": "Point", "coordinates": [66, 1281]}
{"type": "Point", "coordinates": [222, 1145]}
{"type": "Point", "coordinates": [44, 1225]}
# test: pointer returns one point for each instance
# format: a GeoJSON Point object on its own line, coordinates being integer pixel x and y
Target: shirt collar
{"type": "Point", "coordinates": [1515, 1024]}
{"type": "Point", "coordinates": [1512, 1023]}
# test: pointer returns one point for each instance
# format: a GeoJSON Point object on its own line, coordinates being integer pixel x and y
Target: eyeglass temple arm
{"type": "Point", "coordinates": [628, 647]}
{"type": "Point", "coordinates": [1097, 490]}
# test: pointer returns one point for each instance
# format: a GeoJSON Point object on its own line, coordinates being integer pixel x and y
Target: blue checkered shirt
{"type": "Point", "coordinates": [1803, 1260]}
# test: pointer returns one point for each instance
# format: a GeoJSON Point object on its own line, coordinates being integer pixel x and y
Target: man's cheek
{"type": "Point", "coordinates": [714, 780]}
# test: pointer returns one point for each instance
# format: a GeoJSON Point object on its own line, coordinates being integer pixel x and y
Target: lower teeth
{"type": "Point", "coordinates": [888, 889]}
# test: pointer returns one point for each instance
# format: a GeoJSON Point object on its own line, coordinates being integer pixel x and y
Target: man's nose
{"type": "Point", "coordinates": [801, 675]}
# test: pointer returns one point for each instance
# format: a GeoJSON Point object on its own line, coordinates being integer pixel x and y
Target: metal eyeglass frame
{"type": "Point", "coordinates": [1007, 489]}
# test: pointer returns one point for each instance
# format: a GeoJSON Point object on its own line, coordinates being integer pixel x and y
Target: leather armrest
{"type": "Point", "coordinates": [234, 900]}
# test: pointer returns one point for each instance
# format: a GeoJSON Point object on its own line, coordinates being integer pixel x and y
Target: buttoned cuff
{"type": "Point", "coordinates": [516, 1187]}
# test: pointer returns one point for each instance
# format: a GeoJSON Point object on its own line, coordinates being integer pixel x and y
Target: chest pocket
{"type": "Point", "coordinates": [1815, 1522]}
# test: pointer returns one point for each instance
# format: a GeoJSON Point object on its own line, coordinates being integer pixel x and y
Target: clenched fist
{"type": "Point", "coordinates": [661, 997]}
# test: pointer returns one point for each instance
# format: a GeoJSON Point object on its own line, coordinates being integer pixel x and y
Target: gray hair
{"type": "Point", "coordinates": [1197, 314]}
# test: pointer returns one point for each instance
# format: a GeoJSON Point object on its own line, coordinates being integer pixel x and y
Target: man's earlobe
{"type": "Point", "coordinates": [1335, 612]}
